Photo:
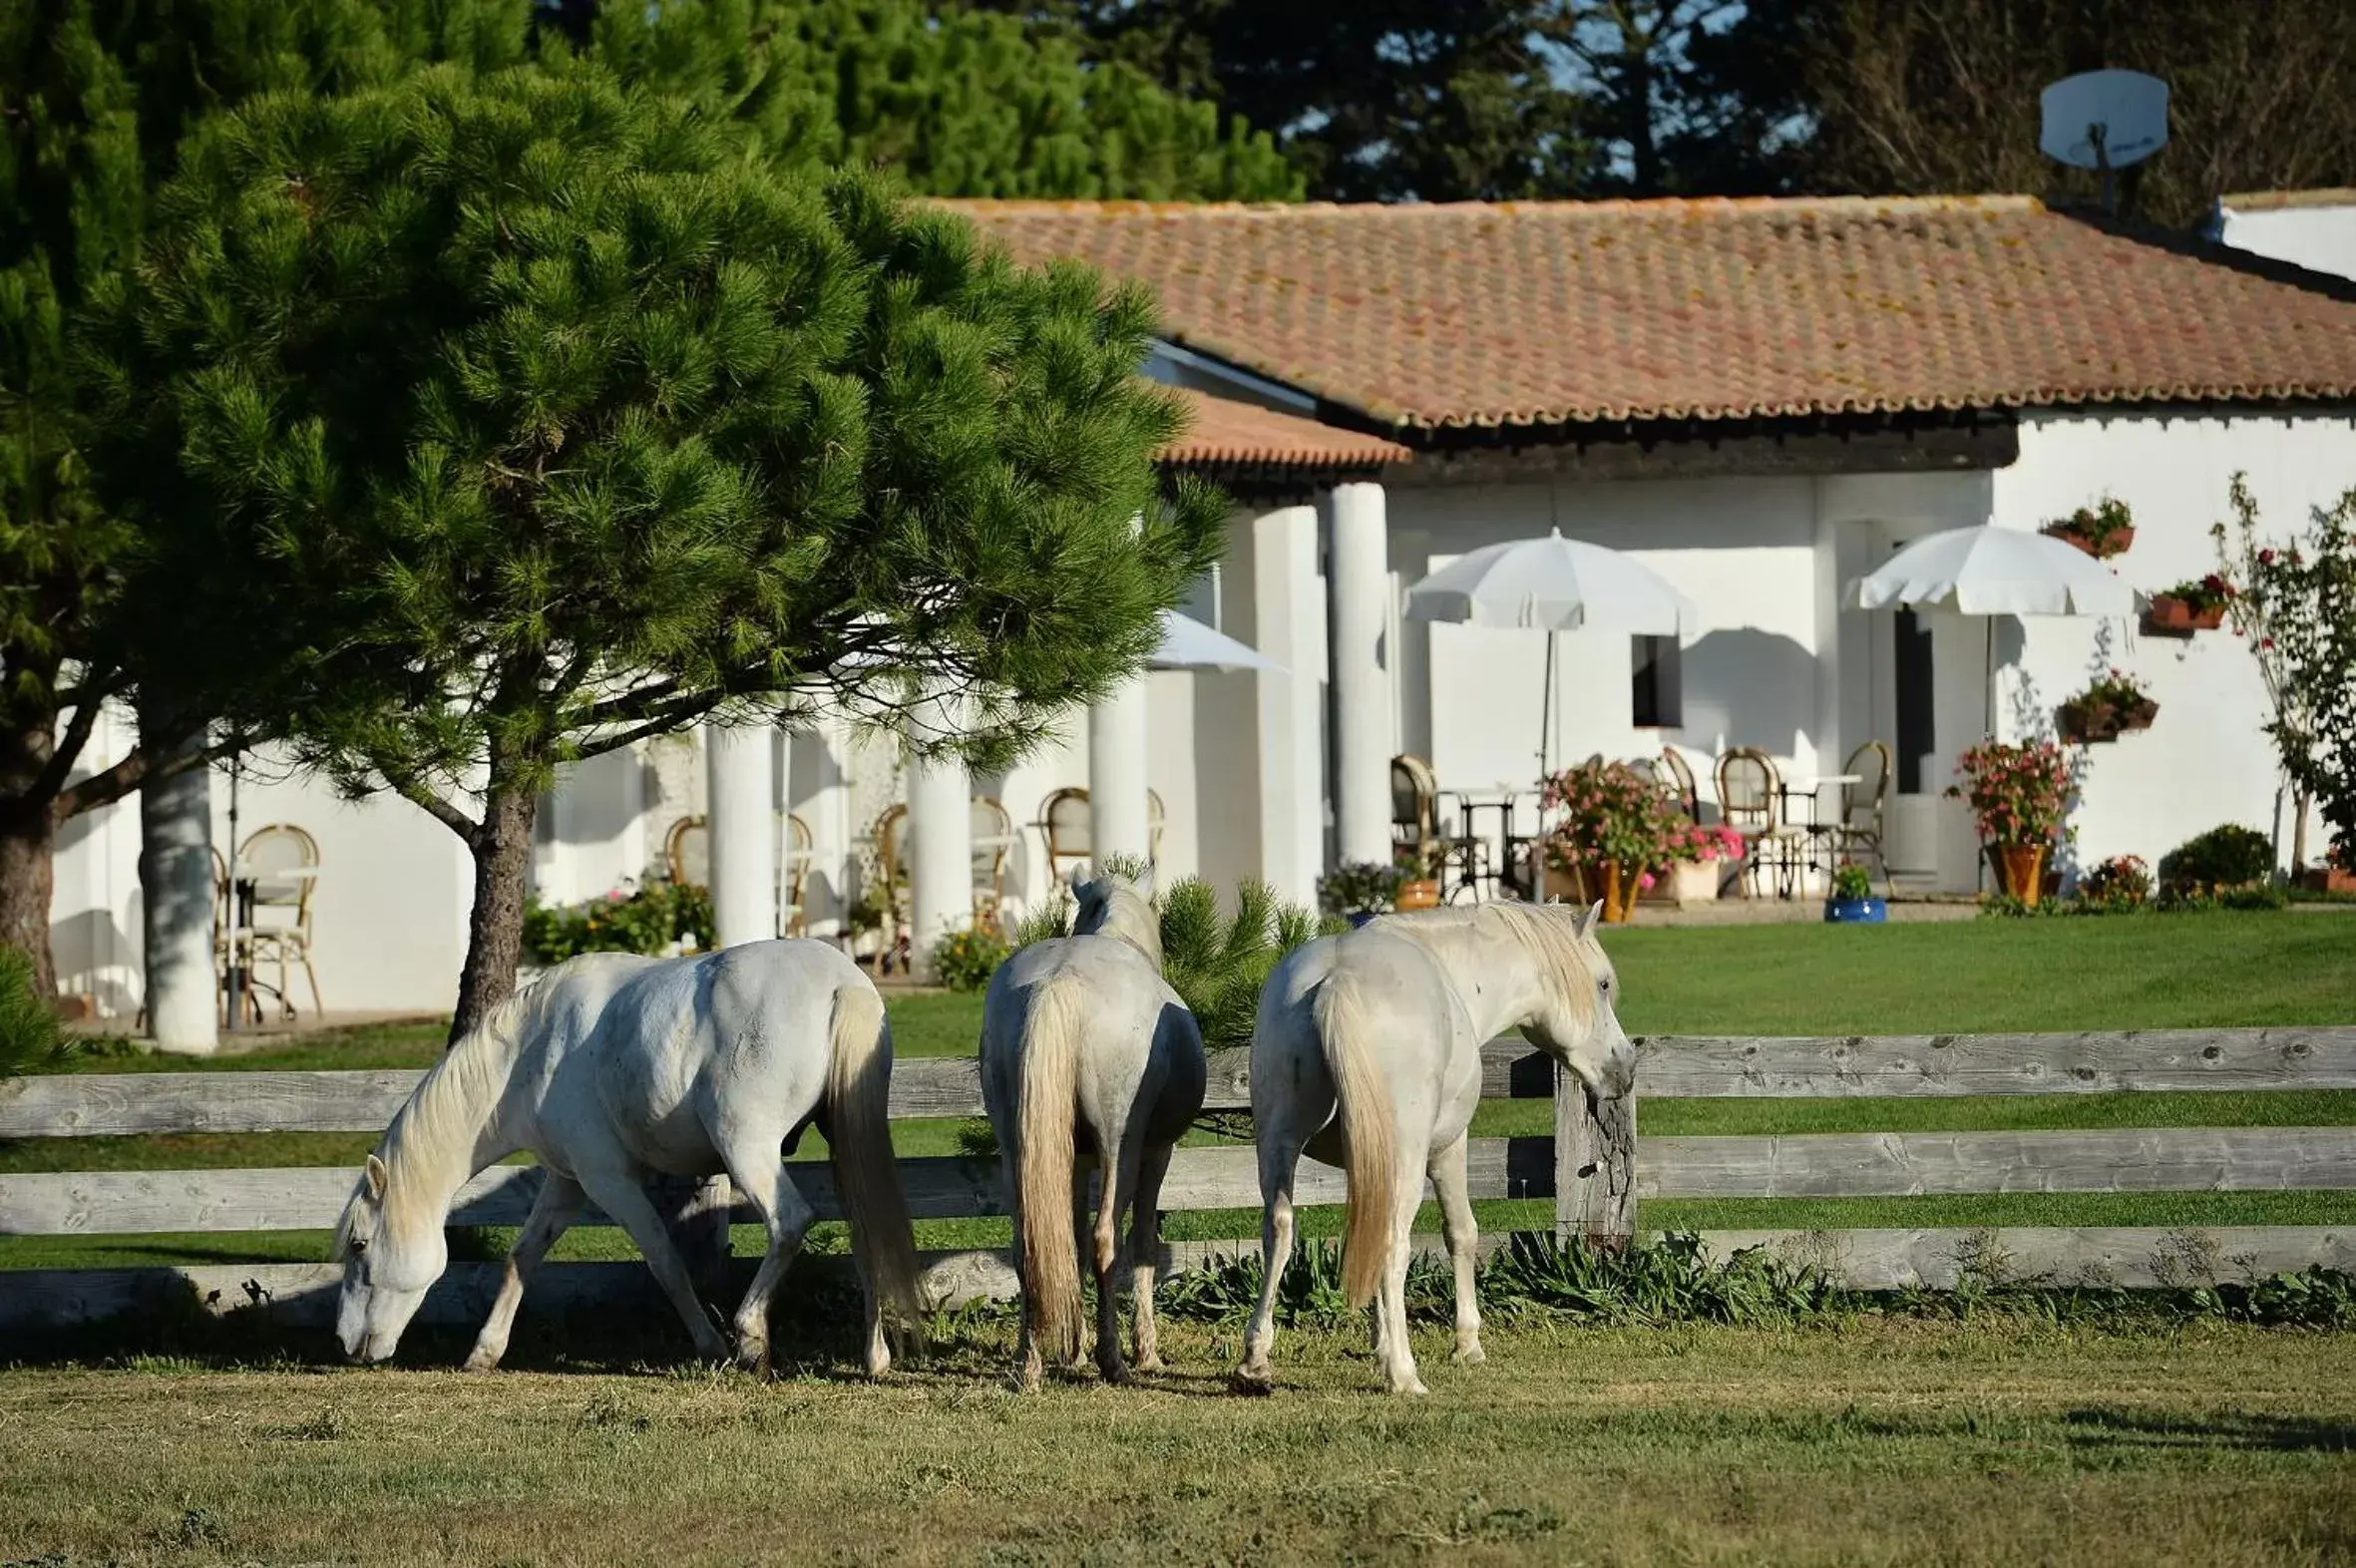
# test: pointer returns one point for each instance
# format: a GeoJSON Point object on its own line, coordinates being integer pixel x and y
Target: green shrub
{"type": "Point", "coordinates": [965, 959]}
{"type": "Point", "coordinates": [29, 1033]}
{"type": "Point", "coordinates": [1852, 881]}
{"type": "Point", "coordinates": [1360, 888]}
{"type": "Point", "coordinates": [2224, 857]}
{"type": "Point", "coordinates": [647, 920]}
{"type": "Point", "coordinates": [1218, 964]}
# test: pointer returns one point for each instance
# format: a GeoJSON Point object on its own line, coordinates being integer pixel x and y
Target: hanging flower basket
{"type": "Point", "coordinates": [2103, 530]}
{"type": "Point", "coordinates": [2171, 617]}
{"type": "Point", "coordinates": [2089, 722]}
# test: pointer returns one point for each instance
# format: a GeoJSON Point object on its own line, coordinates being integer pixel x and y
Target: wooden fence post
{"type": "Point", "coordinates": [1594, 1163]}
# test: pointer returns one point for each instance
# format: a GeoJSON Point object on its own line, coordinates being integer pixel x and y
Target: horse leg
{"type": "Point", "coordinates": [1451, 1181]}
{"type": "Point", "coordinates": [556, 1206]}
{"type": "Point", "coordinates": [1390, 1303]}
{"type": "Point", "coordinates": [787, 1215]}
{"type": "Point", "coordinates": [1145, 1250]}
{"type": "Point", "coordinates": [1030, 1368]}
{"type": "Point", "coordinates": [1278, 1156]}
{"type": "Point", "coordinates": [1118, 1192]}
{"type": "Point", "coordinates": [627, 1203]}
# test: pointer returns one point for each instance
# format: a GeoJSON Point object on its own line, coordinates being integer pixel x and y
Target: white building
{"type": "Point", "coordinates": [1759, 399]}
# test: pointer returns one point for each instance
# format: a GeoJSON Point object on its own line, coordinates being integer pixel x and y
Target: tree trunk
{"type": "Point", "coordinates": [2299, 802]}
{"type": "Point", "coordinates": [28, 876]}
{"type": "Point", "coordinates": [502, 845]}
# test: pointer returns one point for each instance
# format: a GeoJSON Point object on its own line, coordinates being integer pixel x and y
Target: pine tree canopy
{"type": "Point", "coordinates": [526, 414]}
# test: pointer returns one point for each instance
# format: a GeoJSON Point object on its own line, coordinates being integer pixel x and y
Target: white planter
{"type": "Point", "coordinates": [1686, 882]}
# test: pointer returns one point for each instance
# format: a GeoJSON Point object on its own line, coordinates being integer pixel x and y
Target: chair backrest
{"type": "Point", "coordinates": [797, 856]}
{"type": "Point", "coordinates": [994, 836]}
{"type": "Point", "coordinates": [281, 848]}
{"type": "Point", "coordinates": [688, 852]}
{"type": "Point", "coordinates": [1689, 793]}
{"type": "Point", "coordinates": [221, 893]}
{"type": "Point", "coordinates": [891, 841]}
{"type": "Point", "coordinates": [1862, 801]}
{"type": "Point", "coordinates": [1153, 825]}
{"type": "Point", "coordinates": [1063, 818]}
{"type": "Point", "coordinates": [1746, 794]}
{"type": "Point", "coordinates": [1414, 802]}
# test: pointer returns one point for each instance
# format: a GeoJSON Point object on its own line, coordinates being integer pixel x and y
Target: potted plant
{"type": "Point", "coordinates": [1616, 831]}
{"type": "Point", "coordinates": [1358, 891]}
{"type": "Point", "coordinates": [2194, 604]}
{"type": "Point", "coordinates": [2103, 530]}
{"type": "Point", "coordinates": [2337, 874]}
{"type": "Point", "coordinates": [1850, 900]}
{"type": "Point", "coordinates": [2020, 799]}
{"type": "Point", "coordinates": [1418, 870]}
{"type": "Point", "coordinates": [2121, 884]}
{"type": "Point", "coordinates": [1700, 859]}
{"type": "Point", "coordinates": [2110, 707]}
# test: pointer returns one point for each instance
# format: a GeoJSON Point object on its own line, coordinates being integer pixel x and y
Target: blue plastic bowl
{"type": "Point", "coordinates": [1855, 912]}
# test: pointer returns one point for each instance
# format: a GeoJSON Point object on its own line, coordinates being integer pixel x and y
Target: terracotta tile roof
{"type": "Point", "coordinates": [1223, 432]}
{"type": "Point", "coordinates": [1547, 313]}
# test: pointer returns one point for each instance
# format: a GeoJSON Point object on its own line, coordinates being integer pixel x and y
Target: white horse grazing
{"type": "Point", "coordinates": [614, 1068]}
{"type": "Point", "coordinates": [1085, 1044]}
{"type": "Point", "coordinates": [1366, 1053]}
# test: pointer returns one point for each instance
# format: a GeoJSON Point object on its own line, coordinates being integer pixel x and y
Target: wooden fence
{"type": "Point", "coordinates": [1593, 1166]}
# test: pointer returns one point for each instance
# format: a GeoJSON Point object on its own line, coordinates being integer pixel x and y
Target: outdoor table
{"type": "Point", "coordinates": [1501, 799]}
{"type": "Point", "coordinates": [244, 882]}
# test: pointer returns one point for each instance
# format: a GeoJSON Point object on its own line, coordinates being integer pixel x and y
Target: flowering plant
{"type": "Point", "coordinates": [2098, 526]}
{"type": "Point", "coordinates": [1609, 813]}
{"type": "Point", "coordinates": [2199, 594]}
{"type": "Point", "coordinates": [2124, 882]}
{"type": "Point", "coordinates": [1703, 845]}
{"type": "Point", "coordinates": [1360, 888]}
{"type": "Point", "coordinates": [2117, 690]}
{"type": "Point", "coordinates": [2020, 794]}
{"type": "Point", "coordinates": [1852, 881]}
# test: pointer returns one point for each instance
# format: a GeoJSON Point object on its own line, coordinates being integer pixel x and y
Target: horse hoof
{"type": "Point", "coordinates": [480, 1363]}
{"type": "Point", "coordinates": [1149, 1363]}
{"type": "Point", "coordinates": [1115, 1373]}
{"type": "Point", "coordinates": [1469, 1356]}
{"type": "Point", "coordinates": [1255, 1381]}
{"type": "Point", "coordinates": [1413, 1388]}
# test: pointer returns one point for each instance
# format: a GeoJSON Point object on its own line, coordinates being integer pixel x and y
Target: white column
{"type": "Point", "coordinates": [827, 809]}
{"type": "Point", "coordinates": [1118, 817]}
{"type": "Point", "coordinates": [1364, 707]}
{"type": "Point", "coordinates": [175, 877]}
{"type": "Point", "coordinates": [941, 839]}
{"type": "Point", "coordinates": [739, 771]}
{"type": "Point", "coordinates": [1289, 625]}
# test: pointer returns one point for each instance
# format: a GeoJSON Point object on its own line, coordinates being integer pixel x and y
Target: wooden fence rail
{"type": "Point", "coordinates": [1593, 1167]}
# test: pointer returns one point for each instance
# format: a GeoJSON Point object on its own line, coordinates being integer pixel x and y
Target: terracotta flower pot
{"type": "Point", "coordinates": [2327, 879]}
{"type": "Point", "coordinates": [1618, 895]}
{"type": "Point", "coordinates": [2170, 617]}
{"type": "Point", "coordinates": [1422, 894]}
{"type": "Point", "coordinates": [2020, 870]}
{"type": "Point", "coordinates": [2116, 545]}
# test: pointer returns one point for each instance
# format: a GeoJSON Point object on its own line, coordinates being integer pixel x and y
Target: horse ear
{"type": "Point", "coordinates": [1144, 884]}
{"type": "Point", "coordinates": [1584, 923]}
{"type": "Point", "coordinates": [378, 1176]}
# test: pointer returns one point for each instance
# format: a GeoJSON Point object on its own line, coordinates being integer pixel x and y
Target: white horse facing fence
{"type": "Point", "coordinates": [1084, 1043]}
{"type": "Point", "coordinates": [1366, 1054]}
{"type": "Point", "coordinates": [613, 1068]}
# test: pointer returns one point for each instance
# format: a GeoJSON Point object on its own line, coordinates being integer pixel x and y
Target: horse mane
{"type": "Point", "coordinates": [438, 1123]}
{"type": "Point", "coordinates": [1125, 914]}
{"type": "Point", "coordinates": [1548, 932]}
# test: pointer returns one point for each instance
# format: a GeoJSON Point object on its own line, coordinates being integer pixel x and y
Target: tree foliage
{"type": "Point", "coordinates": [547, 415]}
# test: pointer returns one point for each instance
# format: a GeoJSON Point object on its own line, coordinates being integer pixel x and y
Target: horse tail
{"type": "Point", "coordinates": [1370, 1139]}
{"type": "Point", "coordinates": [859, 1141]}
{"type": "Point", "coordinates": [1046, 1112]}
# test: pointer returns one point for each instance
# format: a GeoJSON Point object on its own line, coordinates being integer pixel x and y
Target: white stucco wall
{"type": "Point", "coordinates": [2320, 237]}
{"type": "Point", "coordinates": [2205, 761]}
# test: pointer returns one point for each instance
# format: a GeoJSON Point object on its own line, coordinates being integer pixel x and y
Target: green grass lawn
{"type": "Point", "coordinates": [2216, 969]}
{"type": "Point", "coordinates": [1994, 1440]}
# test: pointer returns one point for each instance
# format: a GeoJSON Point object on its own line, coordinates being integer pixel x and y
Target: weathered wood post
{"type": "Point", "coordinates": [1594, 1163]}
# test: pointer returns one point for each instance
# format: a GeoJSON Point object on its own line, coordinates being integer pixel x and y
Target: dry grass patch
{"type": "Point", "coordinates": [1862, 1441]}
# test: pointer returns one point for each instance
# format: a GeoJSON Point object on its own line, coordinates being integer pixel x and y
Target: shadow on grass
{"type": "Point", "coordinates": [2109, 1428]}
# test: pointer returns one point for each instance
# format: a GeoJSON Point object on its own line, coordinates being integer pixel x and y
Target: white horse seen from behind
{"type": "Point", "coordinates": [613, 1068]}
{"type": "Point", "coordinates": [1366, 1054]}
{"type": "Point", "coordinates": [1085, 1046]}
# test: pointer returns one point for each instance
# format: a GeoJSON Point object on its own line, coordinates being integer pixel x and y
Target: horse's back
{"type": "Point", "coordinates": [1130, 1029]}
{"type": "Point", "coordinates": [1384, 989]}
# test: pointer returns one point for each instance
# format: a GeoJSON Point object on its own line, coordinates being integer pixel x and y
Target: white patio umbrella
{"type": "Point", "coordinates": [1555, 585]}
{"type": "Point", "coordinates": [1189, 644]}
{"type": "Point", "coordinates": [1989, 570]}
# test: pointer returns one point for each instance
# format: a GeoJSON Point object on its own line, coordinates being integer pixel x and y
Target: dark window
{"type": "Point", "coordinates": [1916, 738]}
{"type": "Point", "coordinates": [1656, 691]}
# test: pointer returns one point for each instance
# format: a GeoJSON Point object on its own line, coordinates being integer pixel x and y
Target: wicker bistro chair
{"type": "Point", "coordinates": [994, 844]}
{"type": "Point", "coordinates": [1675, 768]}
{"type": "Point", "coordinates": [688, 852]}
{"type": "Point", "coordinates": [1751, 801]}
{"type": "Point", "coordinates": [1063, 822]}
{"type": "Point", "coordinates": [1153, 825]}
{"type": "Point", "coordinates": [891, 844]}
{"type": "Point", "coordinates": [1458, 860]}
{"type": "Point", "coordinates": [798, 852]}
{"type": "Point", "coordinates": [1857, 835]}
{"type": "Point", "coordinates": [231, 942]}
{"type": "Point", "coordinates": [281, 859]}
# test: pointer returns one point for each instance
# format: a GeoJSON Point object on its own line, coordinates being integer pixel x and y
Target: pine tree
{"type": "Point", "coordinates": [544, 415]}
{"type": "Point", "coordinates": [94, 97]}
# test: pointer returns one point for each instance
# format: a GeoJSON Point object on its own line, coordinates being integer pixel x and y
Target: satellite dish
{"type": "Point", "coordinates": [2105, 120]}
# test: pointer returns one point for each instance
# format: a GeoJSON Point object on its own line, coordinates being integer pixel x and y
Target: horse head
{"type": "Point", "coordinates": [392, 1253]}
{"type": "Point", "coordinates": [1118, 902]}
{"type": "Point", "coordinates": [1578, 1020]}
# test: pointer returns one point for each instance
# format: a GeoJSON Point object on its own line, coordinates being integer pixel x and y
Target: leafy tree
{"type": "Point", "coordinates": [962, 104]}
{"type": "Point", "coordinates": [547, 416]}
{"type": "Point", "coordinates": [1932, 96]}
{"type": "Point", "coordinates": [94, 97]}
